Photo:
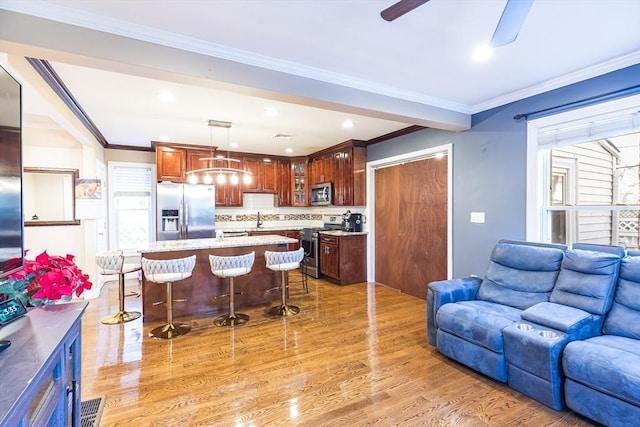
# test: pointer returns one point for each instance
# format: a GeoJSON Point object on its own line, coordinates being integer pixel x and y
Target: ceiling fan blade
{"type": "Point", "coordinates": [398, 9]}
{"type": "Point", "coordinates": [513, 16]}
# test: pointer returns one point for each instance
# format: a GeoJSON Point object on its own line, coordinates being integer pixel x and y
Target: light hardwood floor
{"type": "Point", "coordinates": [355, 356]}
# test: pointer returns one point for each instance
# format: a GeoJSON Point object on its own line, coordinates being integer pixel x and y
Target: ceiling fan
{"type": "Point", "coordinates": [513, 16]}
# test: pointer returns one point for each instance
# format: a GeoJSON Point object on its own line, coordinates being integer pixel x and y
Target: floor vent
{"type": "Point", "coordinates": [91, 412]}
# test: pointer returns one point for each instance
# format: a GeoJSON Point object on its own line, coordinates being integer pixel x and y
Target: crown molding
{"type": "Point", "coordinates": [567, 79]}
{"type": "Point", "coordinates": [65, 15]}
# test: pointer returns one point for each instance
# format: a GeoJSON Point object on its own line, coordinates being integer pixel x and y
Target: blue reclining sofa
{"type": "Point", "coordinates": [603, 372]}
{"type": "Point", "coordinates": [531, 319]}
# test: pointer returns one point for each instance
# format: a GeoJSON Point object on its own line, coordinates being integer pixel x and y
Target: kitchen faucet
{"type": "Point", "coordinates": [259, 221]}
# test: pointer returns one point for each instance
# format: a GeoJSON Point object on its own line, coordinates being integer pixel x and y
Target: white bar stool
{"type": "Point", "coordinates": [231, 267]}
{"type": "Point", "coordinates": [169, 271]}
{"type": "Point", "coordinates": [109, 263]}
{"type": "Point", "coordinates": [284, 262]}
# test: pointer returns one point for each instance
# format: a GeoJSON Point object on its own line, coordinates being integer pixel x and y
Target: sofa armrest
{"type": "Point", "coordinates": [576, 323]}
{"type": "Point", "coordinates": [444, 292]}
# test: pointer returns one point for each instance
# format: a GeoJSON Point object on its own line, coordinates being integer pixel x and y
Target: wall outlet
{"type": "Point", "coordinates": [477, 217]}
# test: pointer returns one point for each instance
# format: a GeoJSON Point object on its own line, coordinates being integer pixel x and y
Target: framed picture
{"type": "Point", "coordinates": [88, 188]}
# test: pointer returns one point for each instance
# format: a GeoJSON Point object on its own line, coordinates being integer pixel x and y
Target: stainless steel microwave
{"type": "Point", "coordinates": [322, 194]}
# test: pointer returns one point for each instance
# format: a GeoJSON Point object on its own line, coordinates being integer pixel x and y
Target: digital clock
{"type": "Point", "coordinates": [10, 310]}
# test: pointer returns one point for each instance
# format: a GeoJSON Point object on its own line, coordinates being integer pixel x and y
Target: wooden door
{"type": "Point", "coordinates": [411, 225]}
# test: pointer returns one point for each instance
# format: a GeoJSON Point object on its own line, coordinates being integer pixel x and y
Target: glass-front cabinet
{"type": "Point", "coordinates": [299, 191]}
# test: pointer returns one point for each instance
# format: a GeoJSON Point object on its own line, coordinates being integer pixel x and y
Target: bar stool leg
{"type": "Point", "coordinates": [121, 316]}
{"type": "Point", "coordinates": [233, 318]}
{"type": "Point", "coordinates": [170, 329]}
{"type": "Point", "coordinates": [284, 309]}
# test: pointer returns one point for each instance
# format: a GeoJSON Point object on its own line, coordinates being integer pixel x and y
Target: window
{"type": "Point", "coordinates": [131, 206]}
{"type": "Point", "coordinates": [586, 185]}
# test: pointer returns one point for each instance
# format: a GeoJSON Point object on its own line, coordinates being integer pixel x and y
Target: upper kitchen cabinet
{"type": "Point", "coordinates": [171, 164]}
{"type": "Point", "coordinates": [299, 187]}
{"type": "Point", "coordinates": [228, 194]}
{"type": "Point", "coordinates": [321, 169]}
{"type": "Point", "coordinates": [283, 196]}
{"type": "Point", "coordinates": [194, 161]}
{"type": "Point", "coordinates": [344, 165]}
{"type": "Point", "coordinates": [264, 177]}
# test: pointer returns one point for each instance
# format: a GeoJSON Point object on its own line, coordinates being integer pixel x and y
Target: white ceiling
{"type": "Point", "coordinates": [317, 62]}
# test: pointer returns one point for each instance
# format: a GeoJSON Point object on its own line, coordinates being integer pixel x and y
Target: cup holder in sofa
{"type": "Point", "coordinates": [524, 327]}
{"type": "Point", "coordinates": [548, 335]}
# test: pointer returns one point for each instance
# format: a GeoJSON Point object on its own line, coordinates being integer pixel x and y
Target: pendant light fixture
{"type": "Point", "coordinates": [221, 168]}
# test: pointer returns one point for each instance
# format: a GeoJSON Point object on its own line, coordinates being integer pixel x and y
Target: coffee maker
{"type": "Point", "coordinates": [352, 222]}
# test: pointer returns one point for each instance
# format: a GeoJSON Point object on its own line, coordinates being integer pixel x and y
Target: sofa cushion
{"type": "Point", "coordinates": [607, 363]}
{"type": "Point", "coordinates": [479, 322]}
{"type": "Point", "coordinates": [520, 275]}
{"type": "Point", "coordinates": [624, 317]}
{"type": "Point", "coordinates": [587, 280]}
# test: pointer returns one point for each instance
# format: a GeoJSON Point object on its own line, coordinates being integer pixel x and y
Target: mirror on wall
{"type": "Point", "coordinates": [49, 196]}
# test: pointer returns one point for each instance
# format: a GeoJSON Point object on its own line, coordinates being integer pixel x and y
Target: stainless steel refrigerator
{"type": "Point", "coordinates": [185, 211]}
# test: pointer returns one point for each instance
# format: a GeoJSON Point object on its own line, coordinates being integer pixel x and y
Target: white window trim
{"type": "Point", "coordinates": [537, 180]}
{"type": "Point", "coordinates": [112, 214]}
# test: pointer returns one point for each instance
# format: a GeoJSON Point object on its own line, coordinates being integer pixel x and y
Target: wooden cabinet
{"type": "Point", "coordinates": [264, 176]}
{"type": "Point", "coordinates": [289, 180]}
{"type": "Point", "coordinates": [294, 234]}
{"type": "Point", "coordinates": [299, 187]}
{"type": "Point", "coordinates": [322, 169]}
{"type": "Point", "coordinates": [343, 258]}
{"type": "Point", "coordinates": [41, 369]}
{"type": "Point", "coordinates": [194, 161]}
{"type": "Point", "coordinates": [349, 177]}
{"type": "Point", "coordinates": [343, 165]}
{"type": "Point", "coordinates": [283, 174]}
{"type": "Point", "coordinates": [228, 194]}
{"type": "Point", "coordinates": [171, 164]}
{"type": "Point", "coordinates": [330, 256]}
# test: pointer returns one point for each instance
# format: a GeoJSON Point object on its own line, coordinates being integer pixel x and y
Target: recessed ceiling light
{"type": "Point", "coordinates": [347, 124]}
{"type": "Point", "coordinates": [270, 112]}
{"type": "Point", "coordinates": [482, 52]}
{"type": "Point", "coordinates": [165, 96]}
{"type": "Point", "coordinates": [288, 150]}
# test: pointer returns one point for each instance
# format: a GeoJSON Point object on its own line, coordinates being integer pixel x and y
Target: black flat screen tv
{"type": "Point", "coordinates": [11, 217]}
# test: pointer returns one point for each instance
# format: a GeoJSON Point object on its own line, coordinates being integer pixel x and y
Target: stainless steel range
{"type": "Point", "coordinates": [311, 243]}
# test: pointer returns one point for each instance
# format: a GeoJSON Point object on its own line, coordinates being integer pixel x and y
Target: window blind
{"type": "Point", "coordinates": [590, 129]}
{"type": "Point", "coordinates": [132, 181]}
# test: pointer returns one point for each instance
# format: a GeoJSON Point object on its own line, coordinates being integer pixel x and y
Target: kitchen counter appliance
{"type": "Point", "coordinates": [310, 241]}
{"type": "Point", "coordinates": [352, 222]}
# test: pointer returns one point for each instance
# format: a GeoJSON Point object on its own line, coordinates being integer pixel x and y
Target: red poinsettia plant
{"type": "Point", "coordinates": [46, 280]}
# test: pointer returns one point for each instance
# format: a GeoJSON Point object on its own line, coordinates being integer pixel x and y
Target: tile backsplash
{"type": "Point", "coordinates": [246, 217]}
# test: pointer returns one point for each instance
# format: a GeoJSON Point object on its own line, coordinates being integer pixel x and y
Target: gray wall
{"type": "Point", "coordinates": [489, 167]}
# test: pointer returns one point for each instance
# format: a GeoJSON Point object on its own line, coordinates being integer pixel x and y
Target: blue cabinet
{"type": "Point", "coordinates": [40, 371]}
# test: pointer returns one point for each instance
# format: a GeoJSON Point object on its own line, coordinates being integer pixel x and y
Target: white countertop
{"type": "Point", "coordinates": [227, 242]}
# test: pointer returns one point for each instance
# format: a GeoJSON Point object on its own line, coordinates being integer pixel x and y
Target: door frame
{"type": "Point", "coordinates": [446, 149]}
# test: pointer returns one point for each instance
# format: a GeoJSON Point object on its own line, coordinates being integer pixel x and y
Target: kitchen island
{"type": "Point", "coordinates": [202, 288]}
